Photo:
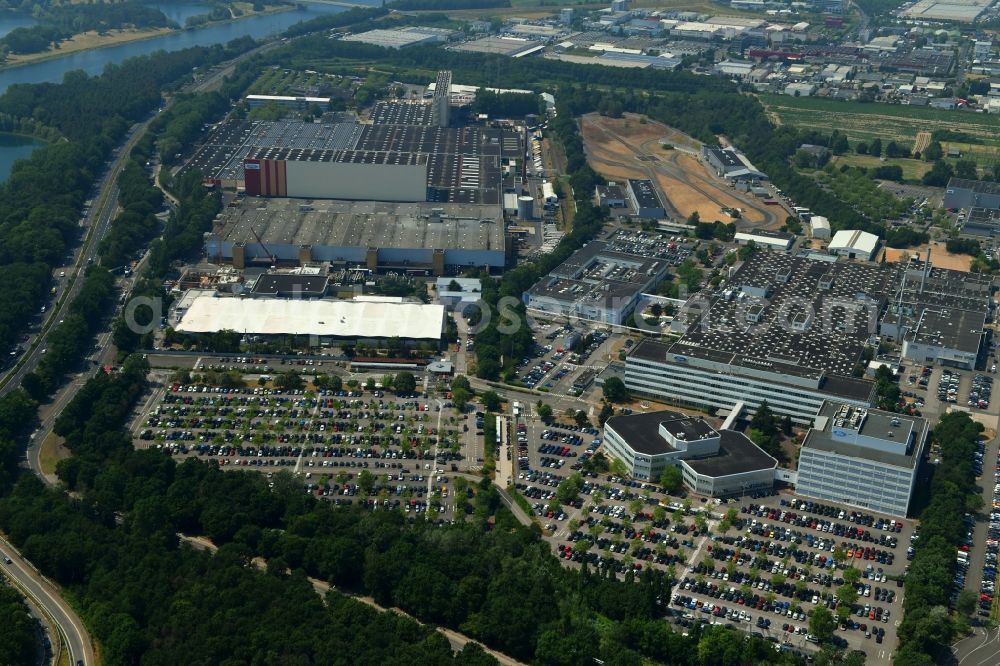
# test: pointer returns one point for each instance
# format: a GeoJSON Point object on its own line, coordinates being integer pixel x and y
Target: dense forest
{"type": "Point", "coordinates": [17, 640]}
{"type": "Point", "coordinates": [59, 22]}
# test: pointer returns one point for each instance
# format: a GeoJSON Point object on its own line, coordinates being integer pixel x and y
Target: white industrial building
{"type": "Point", "coordinates": [862, 457]}
{"type": "Point", "coordinates": [771, 240]}
{"type": "Point", "coordinates": [854, 244]}
{"type": "Point", "coordinates": [402, 37]}
{"type": "Point", "coordinates": [336, 174]}
{"type": "Point", "coordinates": [253, 101]}
{"type": "Point", "coordinates": [712, 462]}
{"type": "Point", "coordinates": [321, 319]}
{"type": "Point", "coordinates": [820, 226]}
{"type": "Point", "coordinates": [469, 291]}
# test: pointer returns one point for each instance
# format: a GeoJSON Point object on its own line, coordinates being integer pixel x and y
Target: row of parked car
{"type": "Point", "coordinates": [988, 587]}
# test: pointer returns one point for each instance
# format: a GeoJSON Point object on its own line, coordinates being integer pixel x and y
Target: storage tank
{"type": "Point", "coordinates": [525, 207]}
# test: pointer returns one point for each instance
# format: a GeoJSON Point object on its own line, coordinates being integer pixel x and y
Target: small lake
{"type": "Point", "coordinates": [10, 21]}
{"type": "Point", "coordinates": [15, 147]}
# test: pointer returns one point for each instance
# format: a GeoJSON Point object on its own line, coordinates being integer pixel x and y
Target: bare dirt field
{"type": "Point", "coordinates": [620, 148]}
{"type": "Point", "coordinates": [940, 257]}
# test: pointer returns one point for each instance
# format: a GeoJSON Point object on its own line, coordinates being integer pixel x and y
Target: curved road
{"type": "Point", "coordinates": [45, 595]}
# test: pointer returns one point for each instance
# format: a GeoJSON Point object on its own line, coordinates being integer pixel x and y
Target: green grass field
{"type": "Point", "coordinates": [912, 169]}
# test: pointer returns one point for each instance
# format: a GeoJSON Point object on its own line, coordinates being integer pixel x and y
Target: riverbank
{"type": "Point", "coordinates": [86, 41]}
{"type": "Point", "coordinates": [92, 41]}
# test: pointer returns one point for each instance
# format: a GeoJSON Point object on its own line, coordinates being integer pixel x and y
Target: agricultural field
{"type": "Point", "coordinates": [889, 122]}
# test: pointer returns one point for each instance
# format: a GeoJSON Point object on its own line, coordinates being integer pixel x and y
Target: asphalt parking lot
{"type": "Point", "coordinates": [408, 446]}
{"type": "Point", "coordinates": [774, 557]}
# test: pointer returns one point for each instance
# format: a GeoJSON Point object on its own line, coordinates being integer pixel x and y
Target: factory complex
{"type": "Point", "coordinates": [403, 190]}
{"type": "Point", "coordinates": [791, 331]}
{"type": "Point", "coordinates": [605, 280]}
{"type": "Point", "coordinates": [369, 234]}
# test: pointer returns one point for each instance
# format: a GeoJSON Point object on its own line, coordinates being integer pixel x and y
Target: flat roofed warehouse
{"type": "Point", "coordinates": [511, 47]}
{"type": "Point", "coordinates": [326, 319]}
{"type": "Point", "coordinates": [401, 113]}
{"type": "Point", "coordinates": [963, 193]}
{"type": "Point", "coordinates": [464, 165]}
{"type": "Point", "coordinates": [336, 174]}
{"type": "Point", "coordinates": [596, 283]}
{"type": "Point", "coordinates": [644, 199]}
{"type": "Point", "coordinates": [790, 330]}
{"type": "Point", "coordinates": [787, 330]}
{"type": "Point", "coordinates": [368, 234]}
{"type": "Point", "coordinates": [402, 37]}
{"type": "Point", "coordinates": [221, 155]}
{"type": "Point", "coordinates": [841, 300]}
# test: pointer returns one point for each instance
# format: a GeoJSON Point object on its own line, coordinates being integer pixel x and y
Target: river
{"type": "Point", "coordinates": [13, 148]}
{"type": "Point", "coordinates": [92, 62]}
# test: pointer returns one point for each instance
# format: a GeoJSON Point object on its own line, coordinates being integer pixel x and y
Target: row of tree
{"type": "Point", "coordinates": [928, 627]}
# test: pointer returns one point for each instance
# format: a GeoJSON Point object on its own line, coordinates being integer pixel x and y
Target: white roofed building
{"type": "Point", "coordinates": [820, 226]}
{"type": "Point", "coordinates": [324, 320]}
{"type": "Point", "coordinates": [772, 240]}
{"type": "Point", "coordinates": [854, 244]}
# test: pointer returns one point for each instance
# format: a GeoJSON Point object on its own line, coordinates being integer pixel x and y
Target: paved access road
{"type": "Point", "coordinates": [45, 595]}
{"type": "Point", "coordinates": [982, 648]}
